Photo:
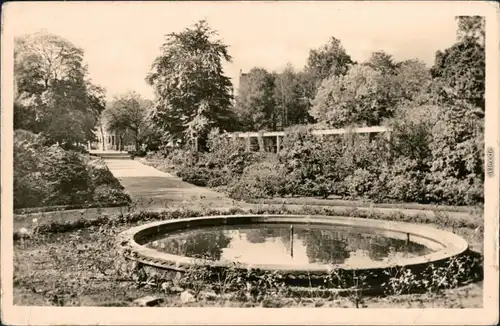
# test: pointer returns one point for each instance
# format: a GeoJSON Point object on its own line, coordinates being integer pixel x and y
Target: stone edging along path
{"type": "Point", "coordinates": [446, 244]}
{"type": "Point", "coordinates": [58, 208]}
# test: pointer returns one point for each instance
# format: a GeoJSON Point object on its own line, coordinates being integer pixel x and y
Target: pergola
{"type": "Point", "coordinates": [323, 132]}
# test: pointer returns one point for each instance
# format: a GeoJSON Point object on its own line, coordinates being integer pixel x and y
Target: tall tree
{"type": "Point", "coordinates": [329, 60]}
{"type": "Point", "coordinates": [471, 27]}
{"type": "Point", "coordinates": [128, 112]}
{"type": "Point", "coordinates": [363, 96]}
{"type": "Point", "coordinates": [461, 68]}
{"type": "Point", "coordinates": [291, 98]}
{"type": "Point", "coordinates": [458, 139]}
{"type": "Point", "coordinates": [255, 106]}
{"type": "Point", "coordinates": [54, 95]}
{"type": "Point", "coordinates": [193, 94]}
{"type": "Point", "coordinates": [383, 62]}
{"type": "Point", "coordinates": [411, 81]}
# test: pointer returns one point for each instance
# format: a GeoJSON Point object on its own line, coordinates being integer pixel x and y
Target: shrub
{"type": "Point", "coordinates": [180, 157]}
{"type": "Point", "coordinates": [67, 173]}
{"type": "Point", "coordinates": [48, 176]}
{"type": "Point", "coordinates": [106, 193]}
{"type": "Point", "coordinates": [401, 180]}
{"type": "Point", "coordinates": [221, 178]}
{"type": "Point", "coordinates": [321, 166]}
{"type": "Point", "coordinates": [260, 180]}
{"type": "Point", "coordinates": [457, 171]}
{"type": "Point", "coordinates": [229, 154]}
{"type": "Point", "coordinates": [454, 191]}
{"type": "Point", "coordinates": [100, 174]}
{"type": "Point", "coordinates": [30, 188]}
{"type": "Point", "coordinates": [301, 161]}
{"type": "Point", "coordinates": [224, 162]}
{"type": "Point", "coordinates": [199, 176]}
{"type": "Point", "coordinates": [138, 153]}
{"type": "Point", "coordinates": [360, 184]}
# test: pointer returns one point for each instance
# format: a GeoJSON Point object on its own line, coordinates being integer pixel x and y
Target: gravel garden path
{"type": "Point", "coordinates": [149, 188]}
{"type": "Point", "coordinates": [152, 189]}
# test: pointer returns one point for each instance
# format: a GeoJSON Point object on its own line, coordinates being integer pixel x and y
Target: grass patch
{"type": "Point", "coordinates": [359, 203]}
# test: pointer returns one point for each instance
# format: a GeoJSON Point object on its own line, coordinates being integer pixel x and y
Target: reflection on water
{"type": "Point", "coordinates": [271, 244]}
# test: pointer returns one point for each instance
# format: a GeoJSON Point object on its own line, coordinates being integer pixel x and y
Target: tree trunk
{"type": "Point", "coordinates": [137, 145]}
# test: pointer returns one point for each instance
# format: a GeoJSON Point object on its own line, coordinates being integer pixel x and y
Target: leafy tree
{"type": "Point", "coordinates": [457, 147]}
{"type": "Point", "coordinates": [412, 133]}
{"type": "Point", "coordinates": [461, 68]}
{"type": "Point", "coordinates": [383, 62]}
{"type": "Point", "coordinates": [255, 106]}
{"type": "Point", "coordinates": [362, 96]}
{"type": "Point", "coordinates": [150, 135]}
{"type": "Point", "coordinates": [471, 27]}
{"type": "Point", "coordinates": [128, 112]}
{"type": "Point", "coordinates": [193, 94]}
{"type": "Point", "coordinates": [54, 95]}
{"type": "Point", "coordinates": [291, 98]}
{"type": "Point", "coordinates": [411, 82]}
{"type": "Point", "coordinates": [457, 142]}
{"type": "Point", "coordinates": [329, 60]}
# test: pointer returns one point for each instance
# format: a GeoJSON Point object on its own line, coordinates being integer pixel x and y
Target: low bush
{"type": "Point", "coordinates": [68, 174]}
{"type": "Point", "coordinates": [199, 176]}
{"type": "Point", "coordinates": [454, 191]}
{"type": "Point", "coordinates": [260, 180]}
{"type": "Point", "coordinates": [138, 153]}
{"type": "Point", "coordinates": [401, 181]}
{"type": "Point", "coordinates": [223, 164]}
{"type": "Point", "coordinates": [108, 194]}
{"type": "Point", "coordinates": [50, 176]}
{"type": "Point", "coordinates": [101, 175]}
{"type": "Point", "coordinates": [360, 184]}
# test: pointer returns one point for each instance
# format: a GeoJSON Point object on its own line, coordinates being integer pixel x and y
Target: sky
{"type": "Point", "coordinates": [121, 40]}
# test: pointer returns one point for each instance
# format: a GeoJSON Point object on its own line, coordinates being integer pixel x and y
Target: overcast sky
{"type": "Point", "coordinates": [121, 40]}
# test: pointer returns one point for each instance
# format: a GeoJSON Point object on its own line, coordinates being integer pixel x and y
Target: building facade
{"type": "Point", "coordinates": [108, 140]}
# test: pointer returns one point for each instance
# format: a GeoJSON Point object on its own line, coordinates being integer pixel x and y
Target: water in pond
{"type": "Point", "coordinates": [270, 244]}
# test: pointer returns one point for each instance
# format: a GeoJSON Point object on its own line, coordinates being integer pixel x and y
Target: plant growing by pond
{"type": "Point", "coordinates": [457, 271]}
{"type": "Point", "coordinates": [401, 281]}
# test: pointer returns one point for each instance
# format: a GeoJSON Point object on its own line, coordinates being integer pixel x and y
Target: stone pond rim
{"type": "Point", "coordinates": [446, 245]}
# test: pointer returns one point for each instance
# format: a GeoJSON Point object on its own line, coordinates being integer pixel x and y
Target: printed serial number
{"type": "Point", "coordinates": [490, 162]}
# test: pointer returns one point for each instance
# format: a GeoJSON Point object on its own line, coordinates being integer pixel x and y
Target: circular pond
{"type": "Point", "coordinates": [297, 244]}
{"type": "Point", "coordinates": [294, 245]}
